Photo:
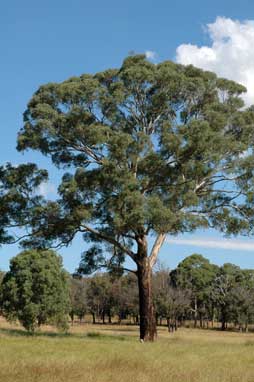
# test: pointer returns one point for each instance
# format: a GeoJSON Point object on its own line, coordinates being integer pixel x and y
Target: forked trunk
{"type": "Point", "coordinates": [146, 308]}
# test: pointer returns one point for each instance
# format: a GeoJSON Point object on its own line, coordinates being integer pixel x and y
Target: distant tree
{"type": "Point", "coordinates": [178, 306]}
{"type": "Point", "coordinates": [172, 303]}
{"type": "Point", "coordinates": [126, 297]}
{"type": "Point", "coordinates": [196, 274]}
{"type": "Point", "coordinates": [244, 297]}
{"type": "Point", "coordinates": [228, 278]}
{"type": "Point", "coordinates": [35, 290]}
{"type": "Point", "coordinates": [78, 298]}
{"type": "Point", "coordinates": [243, 305]}
{"type": "Point", "coordinates": [160, 293]}
{"type": "Point", "coordinates": [233, 291]}
{"type": "Point", "coordinates": [158, 149]}
{"type": "Point", "coordinates": [100, 297]}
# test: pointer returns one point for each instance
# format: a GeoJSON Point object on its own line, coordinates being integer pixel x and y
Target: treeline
{"type": "Point", "coordinates": [37, 290]}
{"type": "Point", "coordinates": [196, 291]}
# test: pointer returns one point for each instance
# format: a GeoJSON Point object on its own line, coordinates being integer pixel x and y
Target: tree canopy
{"type": "Point", "coordinates": [146, 138]}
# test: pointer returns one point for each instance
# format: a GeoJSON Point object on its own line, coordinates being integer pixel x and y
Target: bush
{"type": "Point", "coordinates": [35, 290]}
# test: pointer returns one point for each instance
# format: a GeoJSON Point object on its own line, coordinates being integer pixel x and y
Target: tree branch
{"type": "Point", "coordinates": [109, 240]}
{"type": "Point", "coordinates": [123, 268]}
{"type": "Point", "coordinates": [156, 247]}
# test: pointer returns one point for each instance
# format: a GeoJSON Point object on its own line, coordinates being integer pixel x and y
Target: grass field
{"type": "Point", "coordinates": [97, 353]}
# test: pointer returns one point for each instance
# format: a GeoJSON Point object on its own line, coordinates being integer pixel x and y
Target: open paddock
{"type": "Point", "coordinates": [110, 353]}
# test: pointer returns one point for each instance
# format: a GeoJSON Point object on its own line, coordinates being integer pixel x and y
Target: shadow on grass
{"type": "Point", "coordinates": [23, 333]}
{"type": "Point", "coordinates": [120, 329]}
{"type": "Point", "coordinates": [96, 335]}
{"type": "Point", "coordinates": [102, 336]}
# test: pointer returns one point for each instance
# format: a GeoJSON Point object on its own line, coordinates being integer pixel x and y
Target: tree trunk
{"type": "Point", "coordinates": [195, 312]}
{"type": "Point", "coordinates": [146, 308]}
{"type": "Point", "coordinates": [223, 318]}
{"type": "Point", "coordinates": [223, 325]}
{"type": "Point", "coordinates": [213, 316]}
{"type": "Point", "coordinates": [72, 318]}
{"type": "Point", "coordinates": [145, 264]}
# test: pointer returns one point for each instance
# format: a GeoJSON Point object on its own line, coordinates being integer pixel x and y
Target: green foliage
{"type": "Point", "coordinates": [1, 276]}
{"type": "Point", "coordinates": [18, 201]}
{"type": "Point", "coordinates": [100, 297]}
{"type": "Point", "coordinates": [107, 296]}
{"type": "Point", "coordinates": [232, 292]}
{"type": "Point", "coordinates": [35, 290]}
{"type": "Point", "coordinates": [195, 273]}
{"type": "Point", "coordinates": [78, 301]}
{"type": "Point", "coordinates": [91, 260]}
{"type": "Point", "coordinates": [156, 149]}
{"type": "Point", "coordinates": [224, 293]}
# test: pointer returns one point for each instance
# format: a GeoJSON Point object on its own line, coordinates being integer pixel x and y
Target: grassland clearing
{"type": "Point", "coordinates": [104, 353]}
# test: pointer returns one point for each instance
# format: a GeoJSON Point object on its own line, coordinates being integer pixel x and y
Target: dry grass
{"type": "Point", "coordinates": [113, 353]}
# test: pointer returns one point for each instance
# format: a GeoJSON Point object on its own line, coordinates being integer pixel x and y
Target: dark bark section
{"type": "Point", "coordinates": [146, 308]}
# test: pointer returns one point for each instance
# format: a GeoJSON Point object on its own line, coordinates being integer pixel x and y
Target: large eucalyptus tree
{"type": "Point", "coordinates": [152, 150]}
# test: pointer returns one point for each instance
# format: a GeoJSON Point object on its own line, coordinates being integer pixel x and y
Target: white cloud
{"type": "Point", "coordinates": [231, 54]}
{"type": "Point", "coordinates": [45, 189]}
{"type": "Point", "coordinates": [151, 55]}
{"type": "Point", "coordinates": [234, 245]}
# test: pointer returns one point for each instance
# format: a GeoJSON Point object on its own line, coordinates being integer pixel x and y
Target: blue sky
{"type": "Point", "coordinates": [51, 40]}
